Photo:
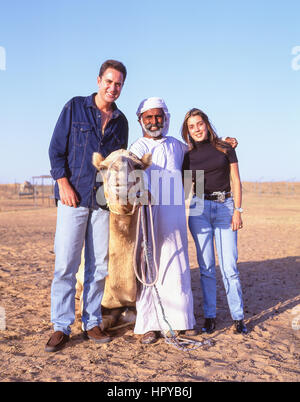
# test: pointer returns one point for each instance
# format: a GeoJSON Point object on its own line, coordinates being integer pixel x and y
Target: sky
{"type": "Point", "coordinates": [238, 61]}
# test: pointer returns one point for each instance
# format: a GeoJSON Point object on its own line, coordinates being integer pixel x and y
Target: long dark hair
{"type": "Point", "coordinates": [212, 135]}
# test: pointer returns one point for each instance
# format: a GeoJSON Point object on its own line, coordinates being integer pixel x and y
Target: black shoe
{"type": "Point", "coordinates": [240, 327]}
{"type": "Point", "coordinates": [209, 325]}
{"type": "Point", "coordinates": [150, 337]}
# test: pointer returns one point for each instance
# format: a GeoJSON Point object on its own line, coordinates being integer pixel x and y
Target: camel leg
{"type": "Point", "coordinates": [110, 317]}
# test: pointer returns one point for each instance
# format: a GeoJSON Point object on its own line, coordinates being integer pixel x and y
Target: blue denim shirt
{"type": "Point", "coordinates": [76, 136]}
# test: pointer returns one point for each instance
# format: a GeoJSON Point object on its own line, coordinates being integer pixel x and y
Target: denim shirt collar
{"type": "Point", "coordinates": [90, 102]}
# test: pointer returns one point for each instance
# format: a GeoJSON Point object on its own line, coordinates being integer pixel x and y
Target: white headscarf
{"type": "Point", "coordinates": [153, 103]}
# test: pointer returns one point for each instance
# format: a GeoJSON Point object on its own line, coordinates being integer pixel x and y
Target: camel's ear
{"type": "Point", "coordinates": [97, 160]}
{"type": "Point", "coordinates": [147, 160]}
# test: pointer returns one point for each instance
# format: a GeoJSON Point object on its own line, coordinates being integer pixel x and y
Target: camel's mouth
{"type": "Point", "coordinates": [122, 198]}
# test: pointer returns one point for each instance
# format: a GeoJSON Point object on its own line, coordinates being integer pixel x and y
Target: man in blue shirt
{"type": "Point", "coordinates": [85, 125]}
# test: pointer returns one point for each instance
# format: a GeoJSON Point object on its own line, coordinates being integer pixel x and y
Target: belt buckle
{"type": "Point", "coordinates": [220, 196]}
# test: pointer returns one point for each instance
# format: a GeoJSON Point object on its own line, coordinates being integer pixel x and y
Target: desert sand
{"type": "Point", "coordinates": [269, 265]}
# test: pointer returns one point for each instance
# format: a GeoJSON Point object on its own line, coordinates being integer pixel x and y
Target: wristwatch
{"type": "Point", "coordinates": [239, 209]}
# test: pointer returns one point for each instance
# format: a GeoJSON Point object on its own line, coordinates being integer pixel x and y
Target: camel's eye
{"type": "Point", "coordinates": [102, 171]}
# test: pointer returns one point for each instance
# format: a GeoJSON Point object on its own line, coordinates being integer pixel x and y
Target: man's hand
{"type": "Point", "coordinates": [232, 141]}
{"type": "Point", "coordinates": [67, 193]}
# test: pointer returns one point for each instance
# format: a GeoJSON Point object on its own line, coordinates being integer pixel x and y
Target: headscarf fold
{"type": "Point", "coordinates": [153, 103]}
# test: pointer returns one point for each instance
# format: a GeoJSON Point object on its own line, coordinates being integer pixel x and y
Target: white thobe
{"type": "Point", "coordinates": [174, 281]}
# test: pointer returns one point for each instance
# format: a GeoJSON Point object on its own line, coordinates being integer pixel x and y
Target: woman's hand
{"type": "Point", "coordinates": [236, 222]}
{"type": "Point", "coordinates": [232, 141]}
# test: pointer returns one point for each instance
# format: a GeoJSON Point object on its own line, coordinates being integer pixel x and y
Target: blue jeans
{"type": "Point", "coordinates": [77, 227]}
{"type": "Point", "coordinates": [214, 222]}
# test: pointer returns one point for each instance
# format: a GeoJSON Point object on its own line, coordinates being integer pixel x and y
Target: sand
{"type": "Point", "coordinates": [269, 265]}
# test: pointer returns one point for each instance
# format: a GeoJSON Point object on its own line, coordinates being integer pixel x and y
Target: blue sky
{"type": "Point", "coordinates": [233, 59]}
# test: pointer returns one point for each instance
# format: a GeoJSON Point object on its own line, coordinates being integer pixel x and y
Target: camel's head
{"type": "Point", "coordinates": [122, 175]}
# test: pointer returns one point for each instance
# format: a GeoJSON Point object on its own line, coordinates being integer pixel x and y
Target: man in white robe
{"type": "Point", "coordinates": [171, 303]}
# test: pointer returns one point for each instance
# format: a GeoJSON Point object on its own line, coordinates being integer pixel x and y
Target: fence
{"type": "Point", "coordinates": [37, 193]}
{"type": "Point", "coordinates": [43, 193]}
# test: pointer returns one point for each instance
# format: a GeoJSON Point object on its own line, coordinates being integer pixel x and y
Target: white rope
{"type": "Point", "coordinates": [141, 218]}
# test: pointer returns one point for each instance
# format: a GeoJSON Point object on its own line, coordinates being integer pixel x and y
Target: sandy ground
{"type": "Point", "coordinates": [269, 264]}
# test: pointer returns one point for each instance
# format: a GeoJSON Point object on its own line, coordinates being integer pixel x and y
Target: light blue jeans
{"type": "Point", "coordinates": [77, 227]}
{"type": "Point", "coordinates": [214, 222]}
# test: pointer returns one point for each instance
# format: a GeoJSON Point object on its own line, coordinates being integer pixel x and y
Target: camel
{"type": "Point", "coordinates": [26, 188]}
{"type": "Point", "coordinates": [121, 172]}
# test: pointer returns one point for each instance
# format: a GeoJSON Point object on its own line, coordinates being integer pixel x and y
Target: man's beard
{"type": "Point", "coordinates": [154, 134]}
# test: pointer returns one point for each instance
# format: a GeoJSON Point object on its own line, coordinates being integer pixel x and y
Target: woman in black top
{"type": "Point", "coordinates": [217, 217]}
